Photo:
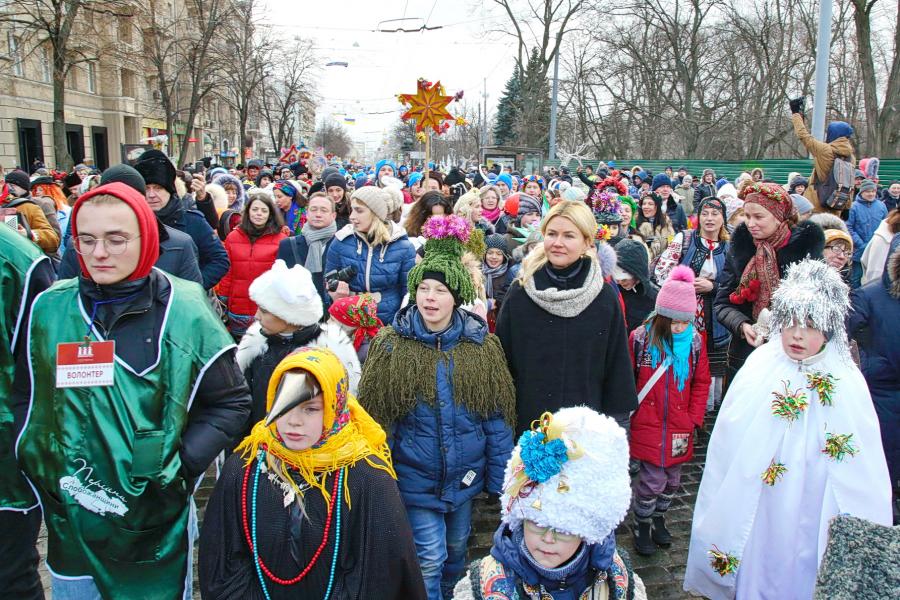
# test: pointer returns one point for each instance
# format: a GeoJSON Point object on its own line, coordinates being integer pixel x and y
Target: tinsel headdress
{"type": "Point", "coordinates": [570, 472]}
{"type": "Point", "coordinates": [812, 292]}
{"type": "Point", "coordinates": [612, 181]}
{"type": "Point", "coordinates": [606, 207]}
{"type": "Point", "coordinates": [446, 239]}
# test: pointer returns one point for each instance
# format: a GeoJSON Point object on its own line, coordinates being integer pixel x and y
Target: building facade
{"type": "Point", "coordinates": [112, 103]}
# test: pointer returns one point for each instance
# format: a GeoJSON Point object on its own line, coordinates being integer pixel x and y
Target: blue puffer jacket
{"type": "Point", "coordinates": [436, 449]}
{"type": "Point", "coordinates": [865, 217]}
{"type": "Point", "coordinates": [383, 269]}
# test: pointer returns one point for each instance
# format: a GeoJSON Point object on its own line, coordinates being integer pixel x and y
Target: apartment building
{"type": "Point", "coordinates": [112, 103]}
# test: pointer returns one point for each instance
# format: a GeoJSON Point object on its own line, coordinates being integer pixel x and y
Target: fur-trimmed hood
{"type": "Point", "coordinates": [807, 240]}
{"type": "Point", "coordinates": [891, 275]}
{"type": "Point", "coordinates": [255, 343]}
{"type": "Point", "coordinates": [829, 221]}
{"type": "Point", "coordinates": [608, 259]}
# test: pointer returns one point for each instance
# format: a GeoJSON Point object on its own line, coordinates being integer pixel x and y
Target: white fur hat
{"type": "Point", "coordinates": [289, 294]}
{"type": "Point", "coordinates": [586, 494]}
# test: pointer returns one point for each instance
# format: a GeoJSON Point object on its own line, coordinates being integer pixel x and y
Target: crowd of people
{"type": "Point", "coordinates": [361, 351]}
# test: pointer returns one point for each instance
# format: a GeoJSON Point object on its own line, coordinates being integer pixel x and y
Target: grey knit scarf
{"type": "Point", "coordinates": [316, 240]}
{"type": "Point", "coordinates": [489, 274]}
{"type": "Point", "coordinates": [567, 303]}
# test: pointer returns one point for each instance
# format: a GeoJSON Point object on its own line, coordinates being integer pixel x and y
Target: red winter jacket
{"type": "Point", "coordinates": [662, 427]}
{"type": "Point", "coordinates": [249, 260]}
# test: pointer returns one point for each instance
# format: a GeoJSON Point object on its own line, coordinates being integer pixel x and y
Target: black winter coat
{"type": "Point", "coordinates": [558, 361]}
{"type": "Point", "coordinates": [377, 556]}
{"type": "Point", "coordinates": [639, 302]}
{"type": "Point", "coordinates": [807, 240]}
{"type": "Point", "coordinates": [293, 251]}
{"type": "Point", "coordinates": [213, 259]}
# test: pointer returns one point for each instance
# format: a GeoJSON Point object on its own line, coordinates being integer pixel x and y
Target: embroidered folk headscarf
{"type": "Point", "coordinates": [349, 434]}
{"type": "Point", "coordinates": [360, 313]}
{"type": "Point", "coordinates": [761, 275]}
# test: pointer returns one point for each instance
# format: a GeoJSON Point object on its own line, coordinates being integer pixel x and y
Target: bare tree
{"type": "Point", "coordinates": [287, 89]}
{"type": "Point", "coordinates": [249, 48]}
{"type": "Point", "coordinates": [882, 122]}
{"type": "Point", "coordinates": [68, 28]}
{"type": "Point", "coordinates": [334, 138]}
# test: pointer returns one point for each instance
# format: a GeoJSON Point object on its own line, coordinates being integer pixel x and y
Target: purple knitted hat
{"type": "Point", "coordinates": [677, 298]}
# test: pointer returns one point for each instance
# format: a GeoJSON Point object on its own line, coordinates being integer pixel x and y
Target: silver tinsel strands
{"type": "Point", "coordinates": [812, 293]}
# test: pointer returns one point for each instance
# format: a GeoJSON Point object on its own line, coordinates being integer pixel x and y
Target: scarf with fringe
{"type": "Point", "coordinates": [349, 433]}
{"type": "Point", "coordinates": [400, 371]}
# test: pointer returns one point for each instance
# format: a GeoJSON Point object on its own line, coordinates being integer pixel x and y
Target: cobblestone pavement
{"type": "Point", "coordinates": [663, 573]}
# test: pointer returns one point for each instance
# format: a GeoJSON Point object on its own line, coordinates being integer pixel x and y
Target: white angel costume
{"type": "Point", "coordinates": [795, 444]}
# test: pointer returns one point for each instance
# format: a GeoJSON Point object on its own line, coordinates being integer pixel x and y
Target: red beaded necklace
{"type": "Point", "coordinates": [315, 558]}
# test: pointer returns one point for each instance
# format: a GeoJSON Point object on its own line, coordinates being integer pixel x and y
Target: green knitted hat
{"type": "Point", "coordinates": [446, 239]}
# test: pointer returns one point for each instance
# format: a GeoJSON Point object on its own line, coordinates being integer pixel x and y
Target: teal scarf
{"type": "Point", "coordinates": [679, 353]}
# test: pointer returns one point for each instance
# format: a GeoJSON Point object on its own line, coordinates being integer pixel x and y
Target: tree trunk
{"type": "Point", "coordinates": [61, 155]}
{"type": "Point", "coordinates": [861, 15]}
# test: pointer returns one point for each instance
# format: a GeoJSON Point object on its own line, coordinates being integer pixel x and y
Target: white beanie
{"type": "Point", "coordinates": [586, 494]}
{"type": "Point", "coordinates": [375, 198]}
{"type": "Point", "coordinates": [289, 294]}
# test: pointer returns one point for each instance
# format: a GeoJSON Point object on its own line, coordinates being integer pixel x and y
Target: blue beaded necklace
{"type": "Point", "coordinates": [337, 531]}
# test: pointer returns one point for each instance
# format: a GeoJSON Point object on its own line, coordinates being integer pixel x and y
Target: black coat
{"type": "Point", "coordinates": [293, 251]}
{"type": "Point", "coordinates": [558, 361]}
{"type": "Point", "coordinates": [377, 557]}
{"type": "Point", "coordinates": [212, 258]}
{"type": "Point", "coordinates": [639, 302]}
{"type": "Point", "coordinates": [807, 240]}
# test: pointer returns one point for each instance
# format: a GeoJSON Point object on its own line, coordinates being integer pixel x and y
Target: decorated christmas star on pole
{"type": "Point", "coordinates": [428, 108]}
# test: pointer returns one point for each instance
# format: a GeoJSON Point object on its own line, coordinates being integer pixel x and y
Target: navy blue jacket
{"type": "Point", "coordinates": [294, 250]}
{"type": "Point", "coordinates": [383, 269]}
{"type": "Point", "coordinates": [874, 323]}
{"type": "Point", "coordinates": [435, 448]}
{"type": "Point", "coordinates": [213, 259]}
{"type": "Point", "coordinates": [675, 214]}
{"type": "Point", "coordinates": [177, 256]}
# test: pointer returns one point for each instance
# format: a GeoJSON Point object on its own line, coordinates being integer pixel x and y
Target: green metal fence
{"type": "Point", "coordinates": [775, 169]}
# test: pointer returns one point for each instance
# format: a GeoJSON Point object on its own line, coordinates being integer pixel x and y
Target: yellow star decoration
{"type": "Point", "coordinates": [428, 106]}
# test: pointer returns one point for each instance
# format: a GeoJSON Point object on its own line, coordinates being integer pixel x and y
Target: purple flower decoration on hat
{"type": "Point", "coordinates": [447, 226]}
{"type": "Point", "coordinates": [605, 202]}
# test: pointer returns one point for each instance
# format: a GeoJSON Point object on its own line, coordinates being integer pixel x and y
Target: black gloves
{"type": "Point", "coordinates": [797, 105]}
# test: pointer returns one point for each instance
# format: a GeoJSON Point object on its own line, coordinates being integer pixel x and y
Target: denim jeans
{"type": "Point", "coordinates": [74, 589]}
{"type": "Point", "coordinates": [441, 540]}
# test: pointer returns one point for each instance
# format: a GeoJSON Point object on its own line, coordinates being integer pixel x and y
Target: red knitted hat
{"type": "Point", "coordinates": [147, 225]}
{"type": "Point", "coordinates": [677, 298]}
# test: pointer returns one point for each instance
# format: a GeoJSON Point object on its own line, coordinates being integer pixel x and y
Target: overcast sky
{"type": "Point", "coordinates": [461, 54]}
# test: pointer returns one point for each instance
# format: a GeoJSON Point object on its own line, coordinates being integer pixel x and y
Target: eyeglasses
{"type": "Point", "coordinates": [114, 244]}
{"type": "Point", "coordinates": [536, 529]}
{"type": "Point", "coordinates": [839, 250]}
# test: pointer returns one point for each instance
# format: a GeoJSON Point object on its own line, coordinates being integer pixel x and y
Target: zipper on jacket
{"type": "Point", "coordinates": [665, 420]}
{"type": "Point", "coordinates": [368, 268]}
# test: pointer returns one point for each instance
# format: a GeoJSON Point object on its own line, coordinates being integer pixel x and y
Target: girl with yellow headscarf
{"type": "Point", "coordinates": [308, 505]}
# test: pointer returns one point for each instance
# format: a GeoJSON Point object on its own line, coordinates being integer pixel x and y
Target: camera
{"type": "Point", "coordinates": [798, 105]}
{"type": "Point", "coordinates": [333, 278]}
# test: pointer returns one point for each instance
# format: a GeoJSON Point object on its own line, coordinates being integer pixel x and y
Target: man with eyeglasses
{"type": "Point", "coordinates": [133, 389]}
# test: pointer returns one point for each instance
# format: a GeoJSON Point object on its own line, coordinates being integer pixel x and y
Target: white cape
{"type": "Point", "coordinates": [779, 533]}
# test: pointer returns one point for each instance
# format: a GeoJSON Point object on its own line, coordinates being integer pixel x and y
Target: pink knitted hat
{"type": "Point", "coordinates": [677, 298]}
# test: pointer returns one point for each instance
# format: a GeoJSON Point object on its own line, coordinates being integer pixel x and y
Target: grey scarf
{"type": "Point", "coordinates": [489, 274]}
{"type": "Point", "coordinates": [567, 303]}
{"type": "Point", "coordinates": [316, 240]}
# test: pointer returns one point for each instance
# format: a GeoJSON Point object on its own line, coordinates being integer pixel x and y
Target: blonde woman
{"type": "Point", "coordinates": [469, 207]}
{"type": "Point", "coordinates": [562, 326]}
{"type": "Point", "coordinates": [376, 247]}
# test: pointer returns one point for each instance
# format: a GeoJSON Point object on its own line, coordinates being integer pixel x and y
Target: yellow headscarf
{"type": "Point", "coordinates": [349, 433]}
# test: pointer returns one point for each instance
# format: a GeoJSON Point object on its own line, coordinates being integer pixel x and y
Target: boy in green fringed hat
{"type": "Point", "coordinates": [437, 380]}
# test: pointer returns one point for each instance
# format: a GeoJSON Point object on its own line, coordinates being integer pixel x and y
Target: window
{"type": "Point", "coordinates": [92, 77]}
{"type": "Point", "coordinates": [45, 65]}
{"type": "Point", "coordinates": [72, 79]}
{"type": "Point", "coordinates": [127, 83]}
{"type": "Point", "coordinates": [15, 54]}
{"type": "Point", "coordinates": [125, 30]}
